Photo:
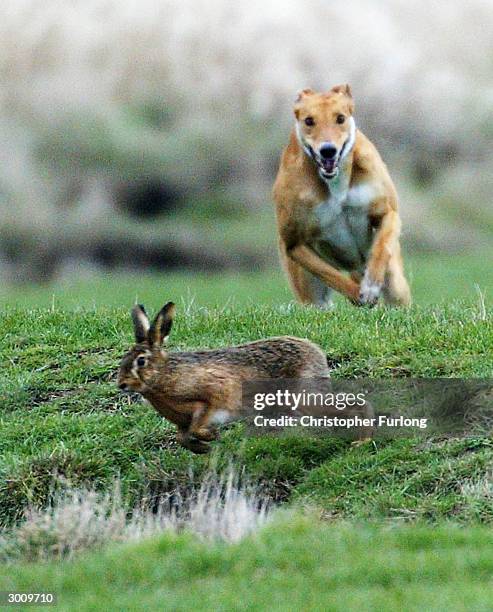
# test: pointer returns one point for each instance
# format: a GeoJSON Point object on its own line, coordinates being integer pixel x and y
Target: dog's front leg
{"type": "Point", "coordinates": [306, 257]}
{"type": "Point", "coordinates": [384, 243]}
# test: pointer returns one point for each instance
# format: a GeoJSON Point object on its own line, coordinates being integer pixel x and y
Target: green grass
{"type": "Point", "coordinates": [433, 279]}
{"type": "Point", "coordinates": [62, 413]}
{"type": "Point", "coordinates": [405, 480]}
{"type": "Point", "coordinates": [296, 564]}
{"type": "Point", "coordinates": [62, 416]}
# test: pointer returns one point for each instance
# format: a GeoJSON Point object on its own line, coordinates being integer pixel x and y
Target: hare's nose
{"type": "Point", "coordinates": [123, 386]}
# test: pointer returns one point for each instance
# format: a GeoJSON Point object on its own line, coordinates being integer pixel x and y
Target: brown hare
{"type": "Point", "coordinates": [197, 390]}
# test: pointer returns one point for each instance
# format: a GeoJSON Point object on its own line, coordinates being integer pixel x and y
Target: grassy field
{"type": "Point", "coordinates": [433, 279]}
{"type": "Point", "coordinates": [296, 564]}
{"type": "Point", "coordinates": [61, 415]}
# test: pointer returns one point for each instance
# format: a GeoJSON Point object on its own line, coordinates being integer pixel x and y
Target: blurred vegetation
{"type": "Point", "coordinates": [147, 137]}
{"type": "Point", "coordinates": [434, 280]}
{"type": "Point", "coordinates": [295, 563]}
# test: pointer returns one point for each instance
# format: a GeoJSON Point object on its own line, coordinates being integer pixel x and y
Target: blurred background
{"type": "Point", "coordinates": [140, 139]}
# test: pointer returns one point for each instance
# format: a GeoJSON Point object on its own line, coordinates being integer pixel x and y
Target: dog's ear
{"type": "Point", "coordinates": [161, 326]}
{"type": "Point", "coordinates": [303, 93]}
{"type": "Point", "coordinates": [344, 89]}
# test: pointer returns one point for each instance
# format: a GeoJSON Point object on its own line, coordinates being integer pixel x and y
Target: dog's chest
{"type": "Point", "coordinates": [344, 235]}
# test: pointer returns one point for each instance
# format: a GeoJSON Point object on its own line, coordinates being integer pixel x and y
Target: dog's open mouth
{"type": "Point", "coordinates": [328, 168]}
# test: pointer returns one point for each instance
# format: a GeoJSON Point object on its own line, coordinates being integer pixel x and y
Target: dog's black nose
{"type": "Point", "coordinates": [123, 386]}
{"type": "Point", "coordinates": [328, 151]}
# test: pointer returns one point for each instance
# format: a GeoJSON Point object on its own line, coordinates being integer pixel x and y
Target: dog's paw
{"type": "Point", "coordinates": [369, 291]}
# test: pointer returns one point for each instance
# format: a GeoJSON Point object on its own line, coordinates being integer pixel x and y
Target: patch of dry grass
{"type": "Point", "coordinates": [82, 519]}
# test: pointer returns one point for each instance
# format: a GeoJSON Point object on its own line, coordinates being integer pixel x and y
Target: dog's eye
{"type": "Point", "coordinates": [141, 361]}
{"type": "Point", "coordinates": [309, 121]}
{"type": "Point", "coordinates": [340, 119]}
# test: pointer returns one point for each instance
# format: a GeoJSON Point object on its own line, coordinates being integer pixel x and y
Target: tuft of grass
{"type": "Point", "coordinates": [80, 519]}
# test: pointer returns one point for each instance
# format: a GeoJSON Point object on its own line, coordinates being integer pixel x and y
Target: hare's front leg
{"type": "Point", "coordinates": [199, 433]}
{"type": "Point", "coordinates": [200, 426]}
{"type": "Point", "coordinates": [191, 442]}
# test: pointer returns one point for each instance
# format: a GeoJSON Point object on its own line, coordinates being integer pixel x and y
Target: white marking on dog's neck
{"type": "Point", "coordinates": [304, 146]}
{"type": "Point", "coordinates": [347, 147]}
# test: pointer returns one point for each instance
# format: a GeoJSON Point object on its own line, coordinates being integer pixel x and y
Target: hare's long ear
{"type": "Point", "coordinates": [161, 326]}
{"type": "Point", "coordinates": [141, 323]}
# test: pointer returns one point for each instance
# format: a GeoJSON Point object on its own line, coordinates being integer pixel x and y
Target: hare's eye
{"type": "Point", "coordinates": [141, 361]}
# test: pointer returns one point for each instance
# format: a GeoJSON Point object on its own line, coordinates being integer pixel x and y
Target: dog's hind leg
{"type": "Point", "coordinates": [307, 287]}
{"type": "Point", "coordinates": [395, 289]}
{"type": "Point", "coordinates": [321, 294]}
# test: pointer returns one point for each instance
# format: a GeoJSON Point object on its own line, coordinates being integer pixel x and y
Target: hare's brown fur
{"type": "Point", "coordinates": [196, 390]}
